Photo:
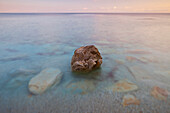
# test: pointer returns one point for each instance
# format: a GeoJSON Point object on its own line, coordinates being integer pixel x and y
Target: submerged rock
{"type": "Point", "coordinates": [124, 86]}
{"type": "Point", "coordinates": [44, 80]}
{"type": "Point", "coordinates": [82, 87]}
{"type": "Point", "coordinates": [86, 58]}
{"type": "Point", "coordinates": [130, 99]}
{"type": "Point", "coordinates": [159, 93]}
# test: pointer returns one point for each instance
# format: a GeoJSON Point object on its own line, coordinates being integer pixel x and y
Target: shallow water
{"type": "Point", "coordinates": [133, 46]}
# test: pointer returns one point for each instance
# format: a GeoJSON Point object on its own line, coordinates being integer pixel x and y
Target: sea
{"type": "Point", "coordinates": [134, 47]}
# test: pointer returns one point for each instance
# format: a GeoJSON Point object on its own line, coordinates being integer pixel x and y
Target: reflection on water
{"type": "Point", "coordinates": [133, 47]}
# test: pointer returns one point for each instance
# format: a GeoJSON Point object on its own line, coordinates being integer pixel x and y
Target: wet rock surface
{"type": "Point", "coordinates": [124, 86]}
{"type": "Point", "coordinates": [159, 93]}
{"type": "Point", "coordinates": [130, 99]}
{"type": "Point", "coordinates": [45, 79]}
{"type": "Point", "coordinates": [86, 58]}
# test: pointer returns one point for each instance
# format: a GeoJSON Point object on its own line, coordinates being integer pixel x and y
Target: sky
{"type": "Point", "coordinates": [73, 6]}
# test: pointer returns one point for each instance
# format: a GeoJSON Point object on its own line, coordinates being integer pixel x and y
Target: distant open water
{"type": "Point", "coordinates": [133, 47]}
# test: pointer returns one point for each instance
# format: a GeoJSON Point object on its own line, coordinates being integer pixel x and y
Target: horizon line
{"type": "Point", "coordinates": [83, 13]}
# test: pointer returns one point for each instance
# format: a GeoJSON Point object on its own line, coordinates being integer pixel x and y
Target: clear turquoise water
{"type": "Point", "coordinates": [31, 42]}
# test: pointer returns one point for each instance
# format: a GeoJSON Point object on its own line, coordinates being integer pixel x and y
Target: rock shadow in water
{"type": "Point", "coordinates": [94, 75]}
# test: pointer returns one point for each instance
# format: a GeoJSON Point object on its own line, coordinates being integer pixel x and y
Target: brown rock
{"type": "Point", "coordinates": [159, 93]}
{"type": "Point", "coordinates": [86, 58]}
{"type": "Point", "coordinates": [130, 99]}
{"type": "Point", "coordinates": [124, 86]}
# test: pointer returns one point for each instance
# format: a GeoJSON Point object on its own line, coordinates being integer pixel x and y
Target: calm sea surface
{"type": "Point", "coordinates": [135, 47]}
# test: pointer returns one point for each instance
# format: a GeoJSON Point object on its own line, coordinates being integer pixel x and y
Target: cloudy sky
{"type": "Point", "coordinates": [147, 6]}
